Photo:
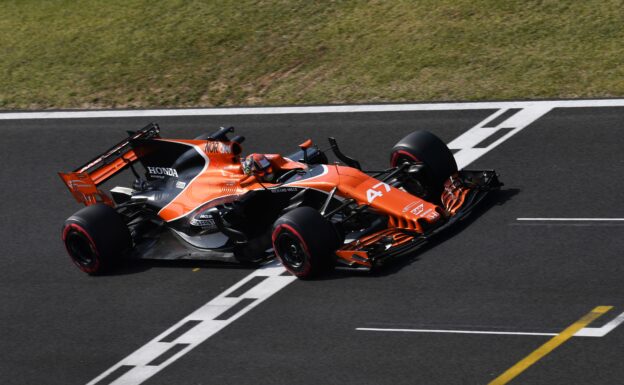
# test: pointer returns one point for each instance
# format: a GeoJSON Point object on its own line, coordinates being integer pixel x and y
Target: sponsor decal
{"type": "Point", "coordinates": [430, 214]}
{"type": "Point", "coordinates": [415, 208]}
{"type": "Point", "coordinates": [409, 206]}
{"type": "Point", "coordinates": [284, 189]}
{"type": "Point", "coordinates": [78, 184]}
{"type": "Point", "coordinates": [419, 209]}
{"type": "Point", "coordinates": [162, 171]}
{"type": "Point", "coordinates": [218, 148]}
{"type": "Point", "coordinates": [228, 187]}
{"type": "Point", "coordinates": [180, 184]}
{"type": "Point", "coordinates": [205, 221]}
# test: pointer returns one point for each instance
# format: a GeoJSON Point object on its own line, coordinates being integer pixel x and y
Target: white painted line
{"type": "Point", "coordinates": [275, 282]}
{"type": "Point", "coordinates": [573, 219]}
{"type": "Point", "coordinates": [471, 138]}
{"type": "Point", "coordinates": [467, 155]}
{"type": "Point", "coordinates": [141, 358]}
{"type": "Point", "coordinates": [477, 134]}
{"type": "Point", "coordinates": [585, 332]}
{"type": "Point", "coordinates": [465, 142]}
{"type": "Point", "coordinates": [601, 331]}
{"type": "Point", "coordinates": [454, 331]}
{"type": "Point", "coordinates": [549, 104]}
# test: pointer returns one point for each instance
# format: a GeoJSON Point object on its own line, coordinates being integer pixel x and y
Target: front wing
{"type": "Point", "coordinates": [462, 195]}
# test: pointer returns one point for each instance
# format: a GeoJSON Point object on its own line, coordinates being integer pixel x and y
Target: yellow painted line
{"type": "Point", "coordinates": [549, 346]}
{"type": "Point", "coordinates": [196, 269]}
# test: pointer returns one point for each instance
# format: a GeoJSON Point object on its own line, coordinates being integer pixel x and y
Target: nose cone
{"type": "Point", "coordinates": [403, 209]}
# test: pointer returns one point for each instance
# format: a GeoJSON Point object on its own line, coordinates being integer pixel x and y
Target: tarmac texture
{"type": "Point", "coordinates": [496, 273]}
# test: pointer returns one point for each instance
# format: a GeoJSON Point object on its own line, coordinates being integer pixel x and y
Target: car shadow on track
{"type": "Point", "coordinates": [497, 198]}
{"type": "Point", "coordinates": [142, 265]}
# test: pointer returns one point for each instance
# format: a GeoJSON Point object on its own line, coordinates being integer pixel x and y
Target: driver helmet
{"type": "Point", "coordinates": [259, 166]}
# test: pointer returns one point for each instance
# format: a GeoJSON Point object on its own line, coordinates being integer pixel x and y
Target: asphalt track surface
{"type": "Point", "coordinates": [59, 326]}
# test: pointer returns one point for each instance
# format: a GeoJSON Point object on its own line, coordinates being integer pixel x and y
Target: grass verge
{"type": "Point", "coordinates": [140, 53]}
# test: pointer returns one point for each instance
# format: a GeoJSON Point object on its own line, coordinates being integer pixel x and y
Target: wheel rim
{"type": "Point", "coordinates": [291, 251]}
{"type": "Point", "coordinates": [404, 159]}
{"type": "Point", "coordinates": [417, 186]}
{"type": "Point", "coordinates": [81, 249]}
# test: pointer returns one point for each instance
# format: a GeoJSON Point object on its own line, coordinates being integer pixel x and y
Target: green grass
{"type": "Point", "coordinates": [140, 53]}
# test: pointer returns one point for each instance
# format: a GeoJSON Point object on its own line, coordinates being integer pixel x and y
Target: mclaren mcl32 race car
{"type": "Point", "coordinates": [201, 199]}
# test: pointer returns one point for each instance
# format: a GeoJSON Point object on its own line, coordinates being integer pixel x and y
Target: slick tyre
{"type": "Point", "coordinates": [305, 242]}
{"type": "Point", "coordinates": [426, 148]}
{"type": "Point", "coordinates": [96, 238]}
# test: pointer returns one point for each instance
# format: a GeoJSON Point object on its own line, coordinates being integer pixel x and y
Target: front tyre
{"type": "Point", "coordinates": [96, 238]}
{"type": "Point", "coordinates": [423, 147]}
{"type": "Point", "coordinates": [305, 242]}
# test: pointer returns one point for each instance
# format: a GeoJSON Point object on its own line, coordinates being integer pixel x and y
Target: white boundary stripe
{"type": "Point", "coordinates": [454, 331]}
{"type": "Point", "coordinates": [309, 109]}
{"type": "Point", "coordinates": [465, 142]}
{"type": "Point", "coordinates": [477, 134]}
{"type": "Point", "coordinates": [572, 219]}
{"type": "Point", "coordinates": [140, 359]}
{"type": "Point", "coordinates": [601, 331]}
{"type": "Point", "coordinates": [585, 332]}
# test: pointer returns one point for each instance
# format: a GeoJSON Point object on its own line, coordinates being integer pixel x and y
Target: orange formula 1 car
{"type": "Point", "coordinates": [200, 199]}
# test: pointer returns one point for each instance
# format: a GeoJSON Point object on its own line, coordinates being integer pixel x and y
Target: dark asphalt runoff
{"type": "Point", "coordinates": [60, 326]}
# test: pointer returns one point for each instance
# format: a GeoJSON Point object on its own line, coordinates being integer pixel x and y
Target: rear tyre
{"type": "Point", "coordinates": [305, 242]}
{"type": "Point", "coordinates": [96, 238]}
{"type": "Point", "coordinates": [423, 147]}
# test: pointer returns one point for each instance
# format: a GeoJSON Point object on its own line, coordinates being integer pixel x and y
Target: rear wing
{"type": "Point", "coordinates": [83, 181]}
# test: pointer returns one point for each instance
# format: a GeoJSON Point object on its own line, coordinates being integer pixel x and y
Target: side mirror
{"type": "Point", "coordinates": [304, 147]}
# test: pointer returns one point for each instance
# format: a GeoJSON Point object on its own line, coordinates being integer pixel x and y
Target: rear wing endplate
{"type": "Point", "coordinates": [83, 181]}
